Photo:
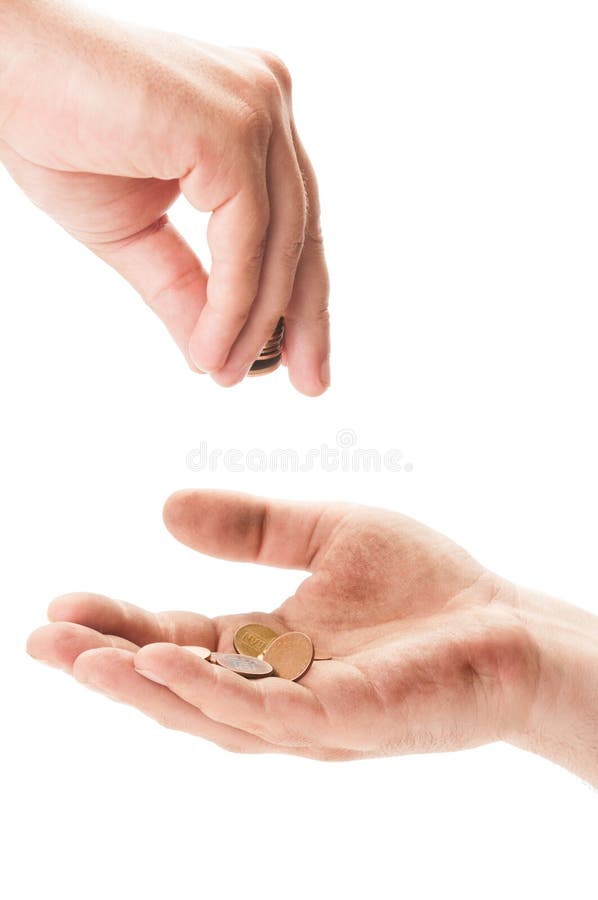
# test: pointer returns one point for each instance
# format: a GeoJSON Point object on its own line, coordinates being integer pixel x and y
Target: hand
{"type": "Point", "coordinates": [104, 125]}
{"type": "Point", "coordinates": [431, 651]}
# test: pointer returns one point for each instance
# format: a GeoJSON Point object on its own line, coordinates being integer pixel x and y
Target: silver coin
{"type": "Point", "coordinates": [243, 665]}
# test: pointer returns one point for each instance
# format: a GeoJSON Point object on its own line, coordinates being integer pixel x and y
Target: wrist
{"type": "Point", "coordinates": [561, 720]}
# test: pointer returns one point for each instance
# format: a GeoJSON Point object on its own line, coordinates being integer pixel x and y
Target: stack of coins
{"type": "Point", "coordinates": [271, 355]}
{"type": "Point", "coordinates": [261, 651]}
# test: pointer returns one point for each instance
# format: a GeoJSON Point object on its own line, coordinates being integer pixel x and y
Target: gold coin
{"type": "Point", "coordinates": [290, 655]}
{"type": "Point", "coordinates": [243, 665]}
{"type": "Point", "coordinates": [252, 639]}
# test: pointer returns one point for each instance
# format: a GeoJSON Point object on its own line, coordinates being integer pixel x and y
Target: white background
{"type": "Point", "coordinates": [456, 146]}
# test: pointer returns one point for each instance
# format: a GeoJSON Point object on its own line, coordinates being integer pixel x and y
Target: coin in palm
{"type": "Point", "coordinates": [290, 655]}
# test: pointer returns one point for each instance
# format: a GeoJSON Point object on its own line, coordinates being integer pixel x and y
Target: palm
{"type": "Point", "coordinates": [418, 631]}
{"type": "Point", "coordinates": [377, 571]}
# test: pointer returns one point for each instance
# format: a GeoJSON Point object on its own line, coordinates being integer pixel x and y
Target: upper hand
{"type": "Point", "coordinates": [104, 126]}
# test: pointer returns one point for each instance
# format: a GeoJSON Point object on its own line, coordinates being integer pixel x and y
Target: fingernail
{"type": "Point", "coordinates": [200, 364]}
{"type": "Point", "coordinates": [195, 368]}
{"type": "Point", "coordinates": [150, 676]}
{"type": "Point", "coordinates": [325, 373]}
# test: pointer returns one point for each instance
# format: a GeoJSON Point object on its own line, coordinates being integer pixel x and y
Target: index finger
{"type": "Point", "coordinates": [237, 237]}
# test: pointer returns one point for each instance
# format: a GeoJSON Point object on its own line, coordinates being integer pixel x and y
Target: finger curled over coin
{"type": "Point", "coordinates": [260, 652]}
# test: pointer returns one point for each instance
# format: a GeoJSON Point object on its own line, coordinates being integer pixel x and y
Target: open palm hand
{"type": "Point", "coordinates": [429, 650]}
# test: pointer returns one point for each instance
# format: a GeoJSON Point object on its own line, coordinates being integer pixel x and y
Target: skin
{"type": "Point", "coordinates": [431, 651]}
{"type": "Point", "coordinates": [104, 125]}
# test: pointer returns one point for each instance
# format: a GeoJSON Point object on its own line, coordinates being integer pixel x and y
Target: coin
{"type": "Point", "coordinates": [271, 353]}
{"type": "Point", "coordinates": [290, 655]}
{"type": "Point", "coordinates": [243, 665]}
{"type": "Point", "coordinates": [319, 654]}
{"type": "Point", "coordinates": [202, 652]}
{"type": "Point", "coordinates": [252, 639]}
{"type": "Point", "coordinates": [265, 366]}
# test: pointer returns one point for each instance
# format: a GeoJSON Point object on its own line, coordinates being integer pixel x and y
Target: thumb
{"type": "Point", "coordinates": [166, 272]}
{"type": "Point", "coordinates": [252, 529]}
{"type": "Point", "coordinates": [155, 260]}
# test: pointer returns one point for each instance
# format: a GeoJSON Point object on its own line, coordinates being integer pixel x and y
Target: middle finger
{"type": "Point", "coordinates": [284, 245]}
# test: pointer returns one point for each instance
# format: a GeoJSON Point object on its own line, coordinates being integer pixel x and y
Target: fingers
{"type": "Point", "coordinates": [242, 527]}
{"type": "Point", "coordinates": [286, 234]}
{"type": "Point", "coordinates": [236, 236]}
{"type": "Point", "coordinates": [307, 333]}
{"type": "Point", "coordinates": [162, 267]}
{"type": "Point", "coordinates": [256, 239]}
{"type": "Point", "coordinates": [277, 711]}
{"type": "Point", "coordinates": [112, 672]}
{"type": "Point", "coordinates": [60, 644]}
{"type": "Point", "coordinates": [114, 617]}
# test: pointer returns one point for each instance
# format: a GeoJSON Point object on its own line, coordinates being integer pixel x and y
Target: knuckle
{"type": "Point", "coordinates": [278, 68]}
{"type": "Point", "coordinates": [290, 251]}
{"type": "Point", "coordinates": [317, 316]}
{"type": "Point", "coordinates": [268, 86]}
{"type": "Point", "coordinates": [291, 246]}
{"type": "Point", "coordinates": [302, 205]}
{"type": "Point", "coordinates": [255, 253]}
{"type": "Point", "coordinates": [234, 314]}
{"type": "Point", "coordinates": [315, 235]}
{"type": "Point", "coordinates": [281, 72]}
{"type": "Point", "coordinates": [251, 264]}
{"type": "Point", "coordinates": [255, 125]}
{"type": "Point", "coordinates": [323, 315]}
